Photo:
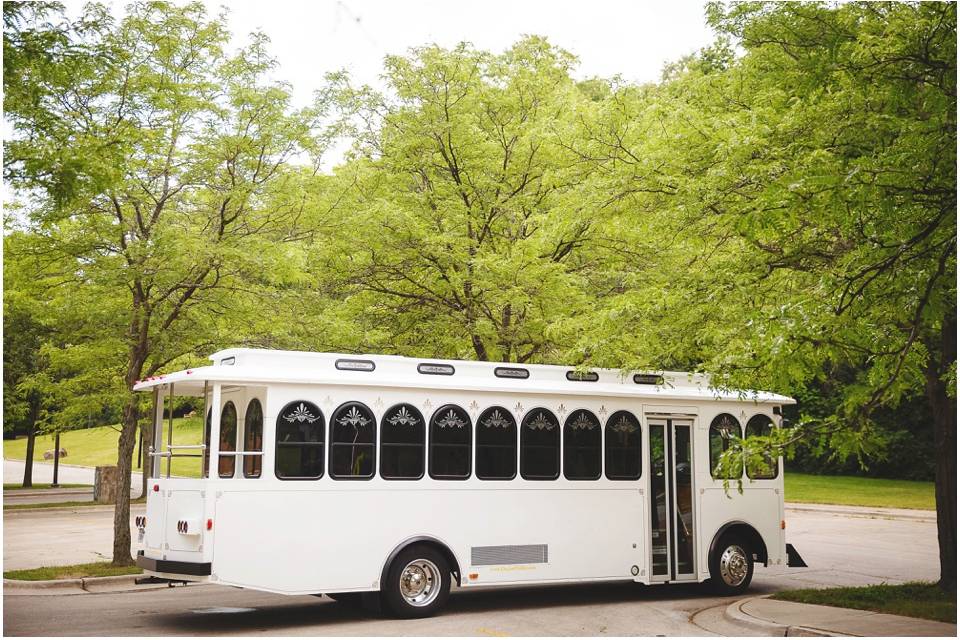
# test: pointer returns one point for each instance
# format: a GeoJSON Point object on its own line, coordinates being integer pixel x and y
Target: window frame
{"type": "Point", "coordinates": [372, 445]}
{"type": "Point", "coordinates": [431, 444]}
{"type": "Point", "coordinates": [383, 442]}
{"type": "Point", "coordinates": [776, 460]}
{"type": "Point", "coordinates": [236, 437]}
{"type": "Point", "coordinates": [524, 445]}
{"type": "Point", "coordinates": [710, 431]}
{"type": "Point", "coordinates": [246, 443]}
{"type": "Point", "coordinates": [565, 447]}
{"type": "Point", "coordinates": [515, 447]}
{"type": "Point", "coordinates": [606, 446]}
{"type": "Point", "coordinates": [320, 444]}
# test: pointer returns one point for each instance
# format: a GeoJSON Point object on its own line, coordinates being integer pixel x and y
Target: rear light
{"type": "Point", "coordinates": [156, 487]}
{"type": "Point", "coordinates": [209, 524]}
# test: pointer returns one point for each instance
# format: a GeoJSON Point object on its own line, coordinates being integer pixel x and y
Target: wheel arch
{"type": "Point", "coordinates": [741, 528]}
{"type": "Point", "coordinates": [425, 540]}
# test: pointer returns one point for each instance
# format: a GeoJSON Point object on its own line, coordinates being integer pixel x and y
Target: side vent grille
{"type": "Point", "coordinates": [508, 554]}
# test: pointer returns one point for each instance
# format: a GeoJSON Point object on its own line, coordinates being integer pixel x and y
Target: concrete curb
{"type": "Point", "coordinates": [914, 515]}
{"type": "Point", "coordinates": [92, 507]}
{"type": "Point", "coordinates": [735, 615]}
{"type": "Point", "coordinates": [78, 586]}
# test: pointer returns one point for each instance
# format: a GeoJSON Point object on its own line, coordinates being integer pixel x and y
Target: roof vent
{"type": "Point", "coordinates": [511, 372]}
{"type": "Point", "coordinates": [435, 369]}
{"type": "Point", "coordinates": [228, 361]}
{"type": "Point", "coordinates": [355, 365]}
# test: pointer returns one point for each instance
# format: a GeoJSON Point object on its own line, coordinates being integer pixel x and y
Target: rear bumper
{"type": "Point", "coordinates": [173, 566]}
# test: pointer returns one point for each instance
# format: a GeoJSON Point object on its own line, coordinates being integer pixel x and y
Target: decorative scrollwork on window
{"type": "Point", "coordinates": [496, 421]}
{"type": "Point", "coordinates": [403, 417]}
{"type": "Point", "coordinates": [726, 426]}
{"type": "Point", "coordinates": [301, 414]}
{"type": "Point", "coordinates": [354, 418]}
{"type": "Point", "coordinates": [583, 422]}
{"type": "Point", "coordinates": [623, 425]}
{"type": "Point", "coordinates": [450, 419]}
{"type": "Point", "coordinates": [541, 423]}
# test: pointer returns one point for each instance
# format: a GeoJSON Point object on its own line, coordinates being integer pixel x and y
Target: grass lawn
{"type": "Point", "coordinates": [857, 491]}
{"type": "Point", "coordinates": [914, 599]}
{"type": "Point", "coordinates": [56, 505]}
{"type": "Point", "coordinates": [91, 570]}
{"type": "Point", "coordinates": [98, 446]}
{"type": "Point", "coordinates": [16, 486]}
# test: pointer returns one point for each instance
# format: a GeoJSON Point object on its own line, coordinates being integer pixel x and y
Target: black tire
{"type": "Point", "coordinates": [429, 571]}
{"type": "Point", "coordinates": [351, 600]}
{"type": "Point", "coordinates": [731, 566]}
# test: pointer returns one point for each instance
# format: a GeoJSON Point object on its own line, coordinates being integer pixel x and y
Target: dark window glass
{"type": "Point", "coordinates": [496, 445]}
{"type": "Point", "coordinates": [228, 439]}
{"type": "Point", "coordinates": [206, 441]}
{"type": "Point", "coordinates": [402, 443]}
{"type": "Point", "coordinates": [581, 446]}
{"type": "Point", "coordinates": [723, 430]}
{"type": "Point", "coordinates": [300, 440]}
{"type": "Point", "coordinates": [765, 466]}
{"type": "Point", "coordinates": [539, 446]}
{"type": "Point", "coordinates": [253, 439]}
{"type": "Point", "coordinates": [623, 446]}
{"type": "Point", "coordinates": [450, 440]}
{"type": "Point", "coordinates": [353, 439]}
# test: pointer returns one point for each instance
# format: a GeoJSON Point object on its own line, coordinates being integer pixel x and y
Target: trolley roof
{"type": "Point", "coordinates": [262, 366]}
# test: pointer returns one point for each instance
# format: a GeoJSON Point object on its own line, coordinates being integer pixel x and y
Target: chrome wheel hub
{"type": "Point", "coordinates": [733, 565]}
{"type": "Point", "coordinates": [420, 582]}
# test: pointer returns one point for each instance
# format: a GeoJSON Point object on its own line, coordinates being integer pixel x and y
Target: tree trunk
{"type": "Point", "coordinates": [944, 410]}
{"type": "Point", "coordinates": [121, 514]}
{"type": "Point", "coordinates": [31, 443]}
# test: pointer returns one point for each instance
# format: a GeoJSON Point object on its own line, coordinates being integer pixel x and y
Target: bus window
{"type": "Point", "coordinates": [402, 441]}
{"type": "Point", "coordinates": [723, 428]}
{"type": "Point", "coordinates": [623, 446]}
{"type": "Point", "coordinates": [450, 439]}
{"type": "Point", "coordinates": [764, 468]}
{"type": "Point", "coordinates": [352, 442]}
{"type": "Point", "coordinates": [539, 446]}
{"type": "Point", "coordinates": [581, 446]}
{"type": "Point", "coordinates": [496, 445]}
{"type": "Point", "coordinates": [299, 454]}
{"type": "Point", "coordinates": [253, 439]}
{"type": "Point", "coordinates": [228, 439]}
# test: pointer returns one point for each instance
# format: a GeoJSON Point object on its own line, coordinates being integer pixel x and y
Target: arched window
{"type": "Point", "coordinates": [228, 439]}
{"type": "Point", "coordinates": [300, 440]}
{"type": "Point", "coordinates": [496, 445]}
{"type": "Point", "coordinates": [206, 441]}
{"type": "Point", "coordinates": [762, 466]}
{"type": "Point", "coordinates": [623, 444]}
{"type": "Point", "coordinates": [581, 446]}
{"type": "Point", "coordinates": [353, 436]}
{"type": "Point", "coordinates": [539, 446]}
{"type": "Point", "coordinates": [402, 443]}
{"type": "Point", "coordinates": [253, 439]}
{"type": "Point", "coordinates": [450, 442]}
{"type": "Point", "coordinates": [723, 430]}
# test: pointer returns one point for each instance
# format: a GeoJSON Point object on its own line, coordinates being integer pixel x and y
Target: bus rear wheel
{"type": "Point", "coordinates": [731, 566]}
{"type": "Point", "coordinates": [418, 583]}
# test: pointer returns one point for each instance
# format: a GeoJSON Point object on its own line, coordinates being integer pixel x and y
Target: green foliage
{"type": "Point", "coordinates": [89, 570]}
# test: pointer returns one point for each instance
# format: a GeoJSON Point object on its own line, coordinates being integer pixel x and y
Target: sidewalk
{"type": "Point", "coordinates": [43, 473]}
{"type": "Point", "coordinates": [922, 515]}
{"type": "Point", "coordinates": [777, 617]}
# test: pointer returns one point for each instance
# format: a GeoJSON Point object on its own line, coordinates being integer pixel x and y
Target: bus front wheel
{"type": "Point", "coordinates": [418, 583]}
{"type": "Point", "coordinates": [731, 566]}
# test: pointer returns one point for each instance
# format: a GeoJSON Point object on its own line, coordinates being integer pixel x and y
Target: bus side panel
{"type": "Point", "coordinates": [285, 540]}
{"type": "Point", "coordinates": [758, 506]}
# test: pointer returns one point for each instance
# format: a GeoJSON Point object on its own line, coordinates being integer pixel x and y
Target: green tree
{"type": "Point", "coordinates": [808, 187]}
{"type": "Point", "coordinates": [157, 173]}
{"type": "Point", "coordinates": [462, 224]}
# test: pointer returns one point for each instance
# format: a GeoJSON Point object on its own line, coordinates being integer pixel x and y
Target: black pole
{"type": "Point", "coordinates": [139, 447]}
{"type": "Point", "coordinates": [56, 461]}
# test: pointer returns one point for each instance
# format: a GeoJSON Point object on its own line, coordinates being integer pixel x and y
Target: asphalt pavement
{"type": "Point", "coordinates": [841, 549]}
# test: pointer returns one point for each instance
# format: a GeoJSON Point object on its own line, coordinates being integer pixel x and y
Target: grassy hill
{"type": "Point", "coordinates": [98, 446]}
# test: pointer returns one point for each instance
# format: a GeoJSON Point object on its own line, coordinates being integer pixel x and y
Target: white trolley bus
{"type": "Point", "coordinates": [386, 479]}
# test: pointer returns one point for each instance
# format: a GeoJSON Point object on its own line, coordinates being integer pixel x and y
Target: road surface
{"type": "Point", "coordinates": [840, 549]}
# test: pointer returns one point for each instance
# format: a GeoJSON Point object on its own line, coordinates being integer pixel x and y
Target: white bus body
{"type": "Point", "coordinates": [342, 535]}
